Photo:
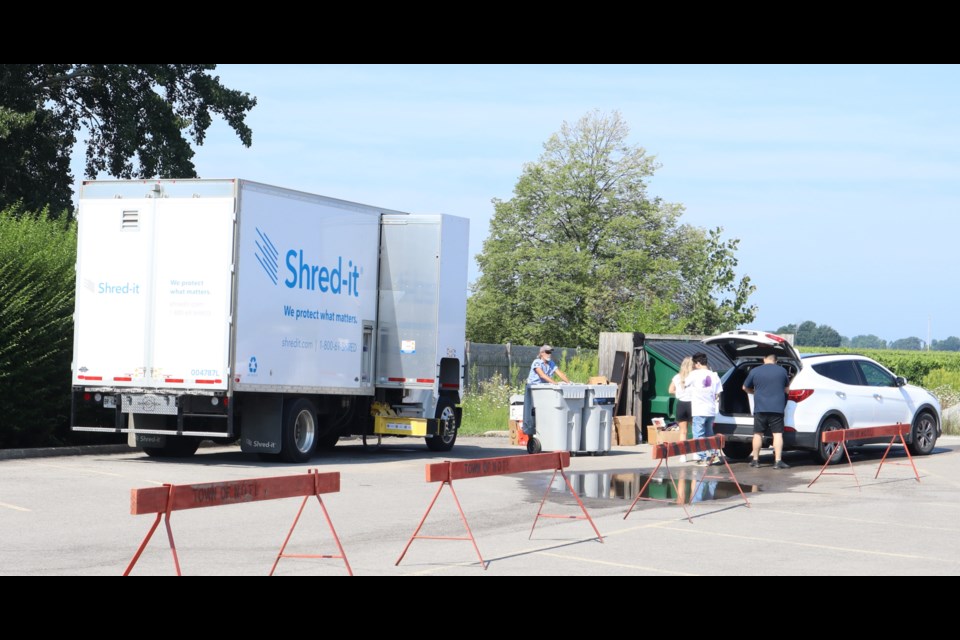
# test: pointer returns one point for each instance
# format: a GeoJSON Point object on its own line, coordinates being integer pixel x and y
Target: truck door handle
{"type": "Point", "coordinates": [878, 397]}
{"type": "Point", "coordinates": [841, 395]}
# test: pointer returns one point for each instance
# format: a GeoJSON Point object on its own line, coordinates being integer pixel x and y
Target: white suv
{"type": "Point", "coordinates": [827, 392]}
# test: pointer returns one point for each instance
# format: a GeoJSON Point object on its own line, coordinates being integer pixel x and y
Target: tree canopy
{"type": "Point", "coordinates": [581, 248]}
{"type": "Point", "coordinates": [138, 119]}
{"type": "Point", "coordinates": [810, 334]}
{"type": "Point", "coordinates": [950, 344]}
{"type": "Point", "coordinates": [912, 343]}
{"type": "Point", "coordinates": [868, 342]}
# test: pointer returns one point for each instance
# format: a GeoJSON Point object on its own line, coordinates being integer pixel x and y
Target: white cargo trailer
{"type": "Point", "coordinates": [226, 308]}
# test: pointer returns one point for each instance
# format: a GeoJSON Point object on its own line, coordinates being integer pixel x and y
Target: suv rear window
{"type": "Point", "coordinates": [842, 371]}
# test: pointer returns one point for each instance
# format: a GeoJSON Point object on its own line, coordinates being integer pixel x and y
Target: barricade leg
{"type": "Point", "coordinates": [416, 534]}
{"type": "Point", "coordinates": [905, 448]}
{"type": "Point", "coordinates": [165, 514]}
{"type": "Point", "coordinates": [643, 488]}
{"type": "Point", "coordinates": [824, 472]}
{"type": "Point", "coordinates": [706, 474]}
{"type": "Point", "coordinates": [585, 516]}
{"type": "Point", "coordinates": [336, 538]}
{"type": "Point", "coordinates": [676, 489]}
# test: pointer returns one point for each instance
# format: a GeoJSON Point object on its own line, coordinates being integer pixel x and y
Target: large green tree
{"type": "Point", "coordinates": [868, 342]}
{"type": "Point", "coordinates": [139, 121]}
{"type": "Point", "coordinates": [37, 259]}
{"type": "Point", "coordinates": [582, 248]}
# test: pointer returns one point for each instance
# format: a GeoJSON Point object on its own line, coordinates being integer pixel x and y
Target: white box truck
{"type": "Point", "coordinates": [225, 309]}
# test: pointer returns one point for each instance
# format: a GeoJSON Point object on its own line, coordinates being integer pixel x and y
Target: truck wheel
{"type": "Point", "coordinates": [299, 431]}
{"type": "Point", "coordinates": [176, 447]}
{"type": "Point", "coordinates": [448, 427]}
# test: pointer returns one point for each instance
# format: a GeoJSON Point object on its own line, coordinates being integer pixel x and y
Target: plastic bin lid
{"type": "Point", "coordinates": [604, 390]}
{"type": "Point", "coordinates": [516, 399]}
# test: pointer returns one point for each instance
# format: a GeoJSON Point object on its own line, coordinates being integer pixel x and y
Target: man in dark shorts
{"type": "Point", "coordinates": [769, 385]}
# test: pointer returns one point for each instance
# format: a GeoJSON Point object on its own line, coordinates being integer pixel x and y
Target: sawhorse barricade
{"type": "Point", "coordinates": [663, 452]}
{"type": "Point", "coordinates": [842, 436]}
{"type": "Point", "coordinates": [446, 472]}
{"type": "Point", "coordinates": [169, 498]}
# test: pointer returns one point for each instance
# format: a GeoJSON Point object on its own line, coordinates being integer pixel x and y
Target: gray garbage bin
{"type": "Point", "coordinates": [559, 412]}
{"type": "Point", "coordinates": [598, 418]}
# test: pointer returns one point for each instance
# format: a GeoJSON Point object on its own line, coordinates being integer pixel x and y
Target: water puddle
{"type": "Point", "coordinates": [624, 485]}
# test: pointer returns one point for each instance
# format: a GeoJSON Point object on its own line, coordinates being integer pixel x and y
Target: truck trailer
{"type": "Point", "coordinates": [226, 309]}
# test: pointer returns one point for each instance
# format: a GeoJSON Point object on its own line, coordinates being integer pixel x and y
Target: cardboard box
{"type": "Point", "coordinates": [516, 407]}
{"type": "Point", "coordinates": [656, 436]}
{"type": "Point", "coordinates": [517, 436]}
{"type": "Point", "coordinates": [599, 380]}
{"type": "Point", "coordinates": [626, 430]}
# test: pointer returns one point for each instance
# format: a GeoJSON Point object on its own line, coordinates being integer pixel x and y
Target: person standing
{"type": "Point", "coordinates": [542, 371]}
{"type": "Point", "coordinates": [704, 388]}
{"type": "Point", "coordinates": [679, 389]}
{"type": "Point", "coordinates": [769, 384]}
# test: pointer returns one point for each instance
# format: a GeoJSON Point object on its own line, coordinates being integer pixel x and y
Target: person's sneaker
{"type": "Point", "coordinates": [780, 464]}
{"type": "Point", "coordinates": [754, 464]}
{"type": "Point", "coordinates": [716, 460]}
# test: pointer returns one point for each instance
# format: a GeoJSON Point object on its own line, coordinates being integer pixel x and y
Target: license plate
{"type": "Point", "coordinates": [109, 402]}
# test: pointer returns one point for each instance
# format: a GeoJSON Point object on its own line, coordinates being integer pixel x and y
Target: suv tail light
{"type": "Point", "coordinates": [799, 395]}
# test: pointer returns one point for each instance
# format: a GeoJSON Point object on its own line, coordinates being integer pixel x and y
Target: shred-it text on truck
{"type": "Point", "coordinates": [224, 309]}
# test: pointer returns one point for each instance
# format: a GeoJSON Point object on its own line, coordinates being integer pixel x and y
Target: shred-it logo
{"type": "Point", "coordinates": [267, 255]}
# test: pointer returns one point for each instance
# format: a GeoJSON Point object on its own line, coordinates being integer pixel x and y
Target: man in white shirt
{"type": "Point", "coordinates": [703, 386]}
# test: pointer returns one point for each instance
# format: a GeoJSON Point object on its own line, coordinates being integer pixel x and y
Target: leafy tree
{"type": "Point", "coordinates": [582, 248]}
{"type": "Point", "coordinates": [810, 334]}
{"type": "Point", "coordinates": [139, 121]}
{"type": "Point", "coordinates": [907, 344]}
{"type": "Point", "coordinates": [868, 342]}
{"type": "Point", "coordinates": [37, 258]}
{"type": "Point", "coordinates": [950, 344]}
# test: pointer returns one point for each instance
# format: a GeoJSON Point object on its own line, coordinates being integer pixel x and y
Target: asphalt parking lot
{"type": "Point", "coordinates": [71, 516]}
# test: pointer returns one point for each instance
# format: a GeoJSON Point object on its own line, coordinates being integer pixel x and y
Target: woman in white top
{"type": "Point", "coordinates": [678, 387]}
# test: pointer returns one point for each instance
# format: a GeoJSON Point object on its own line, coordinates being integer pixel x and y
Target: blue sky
{"type": "Point", "coordinates": [842, 182]}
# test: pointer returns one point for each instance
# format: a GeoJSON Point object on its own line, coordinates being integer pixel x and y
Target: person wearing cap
{"type": "Point", "coordinates": [543, 368]}
{"type": "Point", "coordinates": [541, 372]}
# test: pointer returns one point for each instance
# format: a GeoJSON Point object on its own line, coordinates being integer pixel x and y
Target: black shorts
{"type": "Point", "coordinates": [772, 422]}
{"type": "Point", "coordinates": [684, 411]}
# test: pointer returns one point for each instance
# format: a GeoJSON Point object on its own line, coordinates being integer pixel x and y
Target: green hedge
{"type": "Point", "coordinates": [37, 258]}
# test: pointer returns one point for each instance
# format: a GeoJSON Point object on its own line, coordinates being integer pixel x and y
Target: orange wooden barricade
{"type": "Point", "coordinates": [663, 452]}
{"type": "Point", "coordinates": [169, 498]}
{"type": "Point", "coordinates": [446, 472]}
{"type": "Point", "coordinates": [843, 436]}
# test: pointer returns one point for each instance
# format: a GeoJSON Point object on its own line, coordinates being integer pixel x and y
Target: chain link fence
{"type": "Point", "coordinates": [511, 362]}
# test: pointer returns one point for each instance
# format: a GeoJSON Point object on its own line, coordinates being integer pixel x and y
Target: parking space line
{"type": "Point", "coordinates": [904, 525]}
{"type": "Point", "coordinates": [885, 554]}
{"type": "Point", "coordinates": [14, 507]}
{"type": "Point", "coordinates": [78, 469]}
{"type": "Point", "coordinates": [542, 549]}
{"type": "Point", "coordinates": [615, 564]}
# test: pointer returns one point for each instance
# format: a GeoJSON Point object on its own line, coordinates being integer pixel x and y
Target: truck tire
{"type": "Point", "coordinates": [175, 447]}
{"type": "Point", "coordinates": [299, 438]}
{"type": "Point", "coordinates": [448, 427]}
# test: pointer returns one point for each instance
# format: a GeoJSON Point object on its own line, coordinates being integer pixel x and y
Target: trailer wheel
{"type": "Point", "coordinates": [299, 431]}
{"type": "Point", "coordinates": [448, 427]}
{"type": "Point", "coordinates": [175, 447]}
